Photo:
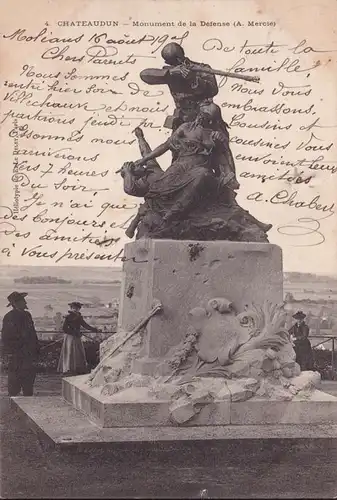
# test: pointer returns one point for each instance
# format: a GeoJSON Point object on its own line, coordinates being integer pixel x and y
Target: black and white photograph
{"type": "Point", "coordinates": [168, 257]}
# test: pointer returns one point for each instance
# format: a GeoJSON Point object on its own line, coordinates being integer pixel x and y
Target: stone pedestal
{"type": "Point", "coordinates": [185, 274]}
{"type": "Point", "coordinates": [136, 407]}
{"type": "Point", "coordinates": [257, 381]}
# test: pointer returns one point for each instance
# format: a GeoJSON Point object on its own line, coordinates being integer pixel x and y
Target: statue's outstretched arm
{"type": "Point", "coordinates": [159, 151]}
{"type": "Point", "coordinates": [154, 76]}
{"type": "Point", "coordinates": [144, 146]}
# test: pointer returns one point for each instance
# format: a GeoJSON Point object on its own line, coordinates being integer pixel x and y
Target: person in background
{"type": "Point", "coordinates": [72, 358]}
{"type": "Point", "coordinates": [309, 319]}
{"type": "Point", "coordinates": [302, 346]}
{"type": "Point", "coordinates": [21, 346]}
{"type": "Point", "coordinates": [324, 323]}
{"type": "Point", "coordinates": [58, 320]}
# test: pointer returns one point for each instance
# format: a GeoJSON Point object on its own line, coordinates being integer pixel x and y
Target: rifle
{"type": "Point", "coordinates": [227, 74]}
{"type": "Point", "coordinates": [156, 307]}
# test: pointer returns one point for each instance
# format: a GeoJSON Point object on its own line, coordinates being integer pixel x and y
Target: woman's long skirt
{"type": "Point", "coordinates": [304, 354]}
{"type": "Point", "coordinates": [72, 358]}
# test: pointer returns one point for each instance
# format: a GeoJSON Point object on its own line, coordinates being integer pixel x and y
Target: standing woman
{"type": "Point", "coordinates": [302, 346]}
{"type": "Point", "coordinates": [72, 358]}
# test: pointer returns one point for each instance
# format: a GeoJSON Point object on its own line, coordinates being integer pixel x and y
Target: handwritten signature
{"type": "Point", "coordinates": [305, 227]}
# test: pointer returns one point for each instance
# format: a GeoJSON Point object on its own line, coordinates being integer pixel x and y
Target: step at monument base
{"type": "Point", "coordinates": [134, 407]}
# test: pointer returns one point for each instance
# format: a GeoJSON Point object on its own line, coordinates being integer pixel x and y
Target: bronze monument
{"type": "Point", "coordinates": [194, 199]}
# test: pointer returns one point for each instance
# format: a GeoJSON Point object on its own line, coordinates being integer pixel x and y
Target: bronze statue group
{"type": "Point", "coordinates": [195, 198]}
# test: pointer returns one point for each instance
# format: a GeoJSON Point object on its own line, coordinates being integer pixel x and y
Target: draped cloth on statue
{"type": "Point", "coordinates": [189, 175]}
{"type": "Point", "coordinates": [193, 194]}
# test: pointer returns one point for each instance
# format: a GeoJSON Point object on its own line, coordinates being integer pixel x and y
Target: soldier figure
{"type": "Point", "coordinates": [21, 345]}
{"type": "Point", "coordinates": [192, 91]}
{"type": "Point", "coordinates": [188, 88]}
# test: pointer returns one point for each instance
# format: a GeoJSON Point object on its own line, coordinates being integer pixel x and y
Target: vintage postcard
{"type": "Point", "coordinates": [168, 245]}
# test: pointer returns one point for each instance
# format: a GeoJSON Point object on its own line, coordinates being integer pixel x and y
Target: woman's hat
{"type": "Point", "coordinates": [299, 315]}
{"type": "Point", "coordinates": [75, 304]}
{"type": "Point", "coordinates": [15, 297]}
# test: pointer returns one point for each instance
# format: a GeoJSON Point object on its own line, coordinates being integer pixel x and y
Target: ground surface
{"type": "Point", "coordinates": [270, 470]}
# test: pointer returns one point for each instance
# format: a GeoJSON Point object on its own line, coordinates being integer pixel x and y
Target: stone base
{"type": "Point", "coordinates": [60, 425]}
{"type": "Point", "coordinates": [135, 407]}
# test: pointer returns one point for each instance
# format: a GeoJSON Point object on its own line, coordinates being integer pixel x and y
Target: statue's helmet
{"type": "Point", "coordinates": [212, 110]}
{"type": "Point", "coordinates": [173, 54]}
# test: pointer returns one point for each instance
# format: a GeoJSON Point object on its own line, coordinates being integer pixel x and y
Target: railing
{"type": "Point", "coordinates": [62, 333]}
{"type": "Point", "coordinates": [327, 339]}
{"type": "Point", "coordinates": [55, 333]}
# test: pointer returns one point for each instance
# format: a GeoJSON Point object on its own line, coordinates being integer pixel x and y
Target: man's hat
{"type": "Point", "coordinates": [15, 297]}
{"type": "Point", "coordinates": [75, 304]}
{"type": "Point", "coordinates": [299, 315]}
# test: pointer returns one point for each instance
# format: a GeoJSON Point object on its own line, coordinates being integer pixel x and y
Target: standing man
{"type": "Point", "coordinates": [21, 345]}
{"type": "Point", "coordinates": [302, 345]}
